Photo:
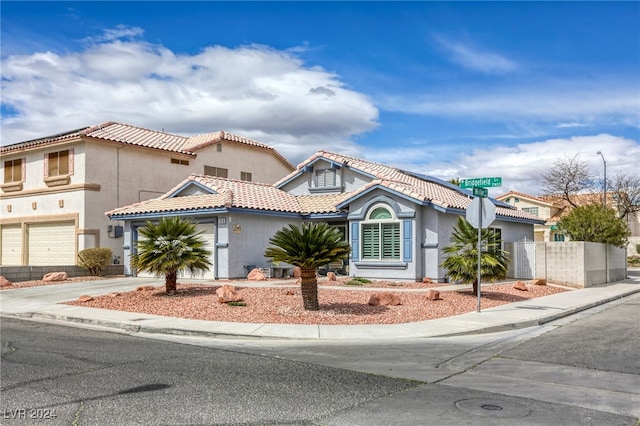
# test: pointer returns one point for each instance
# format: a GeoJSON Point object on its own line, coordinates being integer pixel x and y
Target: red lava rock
{"type": "Point", "coordinates": [145, 288]}
{"type": "Point", "coordinates": [227, 293]}
{"type": "Point", "coordinates": [331, 276]}
{"type": "Point", "coordinates": [434, 295]}
{"type": "Point", "coordinates": [289, 293]}
{"type": "Point", "coordinates": [5, 283]}
{"type": "Point", "coordinates": [85, 298]}
{"type": "Point", "coordinates": [519, 285]}
{"type": "Point", "coordinates": [384, 299]}
{"type": "Point", "coordinates": [256, 275]}
{"type": "Point", "coordinates": [427, 280]}
{"type": "Point", "coordinates": [540, 281]}
{"type": "Point", "coordinates": [55, 276]}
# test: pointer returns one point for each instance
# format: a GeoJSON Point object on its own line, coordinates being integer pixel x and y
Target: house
{"type": "Point", "coordinates": [553, 208]}
{"type": "Point", "coordinates": [56, 189]}
{"type": "Point", "coordinates": [397, 222]}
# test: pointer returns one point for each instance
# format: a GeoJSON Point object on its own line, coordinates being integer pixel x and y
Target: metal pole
{"type": "Point", "coordinates": [479, 250]}
{"type": "Point", "coordinates": [604, 195]}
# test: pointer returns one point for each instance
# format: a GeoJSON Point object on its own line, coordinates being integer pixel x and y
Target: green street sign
{"type": "Point", "coordinates": [485, 182]}
{"type": "Point", "coordinates": [480, 192]}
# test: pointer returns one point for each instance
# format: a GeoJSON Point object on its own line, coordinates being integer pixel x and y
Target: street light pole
{"type": "Point", "coordinates": [604, 197]}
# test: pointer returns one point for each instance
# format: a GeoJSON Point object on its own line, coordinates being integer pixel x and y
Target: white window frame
{"type": "Point", "coordinates": [379, 227]}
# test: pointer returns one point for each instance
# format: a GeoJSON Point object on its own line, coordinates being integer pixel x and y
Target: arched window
{"type": "Point", "coordinates": [381, 234]}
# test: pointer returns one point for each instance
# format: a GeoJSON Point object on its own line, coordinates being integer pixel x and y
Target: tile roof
{"type": "Point", "coordinates": [423, 189]}
{"type": "Point", "coordinates": [542, 200]}
{"type": "Point", "coordinates": [146, 138]}
{"type": "Point", "coordinates": [257, 196]}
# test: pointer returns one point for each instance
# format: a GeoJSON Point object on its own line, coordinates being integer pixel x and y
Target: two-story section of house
{"type": "Point", "coordinates": [55, 190]}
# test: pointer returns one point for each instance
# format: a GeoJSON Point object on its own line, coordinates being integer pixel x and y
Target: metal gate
{"type": "Point", "coordinates": [524, 259]}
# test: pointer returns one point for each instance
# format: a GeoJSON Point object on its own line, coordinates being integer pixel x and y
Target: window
{"type": "Point", "coordinates": [216, 171]}
{"type": "Point", "coordinates": [179, 161]}
{"type": "Point", "coordinates": [58, 164]}
{"type": "Point", "coordinates": [219, 147]}
{"type": "Point", "coordinates": [532, 210]}
{"type": "Point", "coordinates": [325, 178]}
{"type": "Point", "coordinates": [13, 171]}
{"type": "Point", "coordinates": [245, 176]}
{"type": "Point", "coordinates": [495, 239]}
{"type": "Point", "coordinates": [381, 235]}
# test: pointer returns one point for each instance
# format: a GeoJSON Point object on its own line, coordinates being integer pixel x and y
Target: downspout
{"type": "Point", "coordinates": [216, 248]}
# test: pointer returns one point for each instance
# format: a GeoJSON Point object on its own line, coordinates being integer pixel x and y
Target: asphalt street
{"type": "Point", "coordinates": [581, 370]}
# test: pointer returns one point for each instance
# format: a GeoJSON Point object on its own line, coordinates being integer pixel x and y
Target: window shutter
{"type": "Point", "coordinates": [407, 241]}
{"type": "Point", "coordinates": [355, 240]}
{"type": "Point", "coordinates": [71, 161]}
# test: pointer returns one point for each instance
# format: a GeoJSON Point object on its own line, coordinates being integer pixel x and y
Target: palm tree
{"type": "Point", "coordinates": [309, 247]}
{"type": "Point", "coordinates": [169, 247]}
{"type": "Point", "coordinates": [462, 260]}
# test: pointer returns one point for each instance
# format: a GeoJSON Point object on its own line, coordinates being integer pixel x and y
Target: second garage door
{"type": "Point", "coordinates": [52, 244]}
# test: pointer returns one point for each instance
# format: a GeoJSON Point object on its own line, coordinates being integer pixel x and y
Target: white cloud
{"type": "Point", "coordinates": [254, 91]}
{"type": "Point", "coordinates": [520, 166]}
{"type": "Point", "coordinates": [477, 59]}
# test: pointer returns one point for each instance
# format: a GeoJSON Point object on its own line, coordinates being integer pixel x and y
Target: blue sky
{"type": "Point", "coordinates": [449, 89]}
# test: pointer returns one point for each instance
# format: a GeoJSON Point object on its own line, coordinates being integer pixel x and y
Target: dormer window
{"type": "Point", "coordinates": [325, 178]}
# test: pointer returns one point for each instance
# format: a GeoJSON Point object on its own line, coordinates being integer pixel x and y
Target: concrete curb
{"type": "Point", "coordinates": [474, 323]}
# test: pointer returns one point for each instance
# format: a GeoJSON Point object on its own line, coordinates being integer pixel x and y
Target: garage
{"type": "Point", "coordinates": [11, 245]}
{"type": "Point", "coordinates": [208, 234]}
{"type": "Point", "coordinates": [51, 244]}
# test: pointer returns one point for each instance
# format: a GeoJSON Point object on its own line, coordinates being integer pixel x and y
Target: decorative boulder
{"type": "Point", "coordinates": [331, 276]}
{"type": "Point", "coordinates": [519, 285]}
{"type": "Point", "coordinates": [540, 281]}
{"type": "Point", "coordinates": [114, 294]}
{"type": "Point", "coordinates": [5, 283]}
{"type": "Point", "coordinates": [85, 298]}
{"type": "Point", "coordinates": [227, 293]}
{"type": "Point", "coordinates": [384, 299]}
{"type": "Point", "coordinates": [256, 275]}
{"type": "Point", "coordinates": [289, 293]}
{"type": "Point", "coordinates": [434, 295]}
{"type": "Point", "coordinates": [427, 280]}
{"type": "Point", "coordinates": [296, 272]}
{"type": "Point", "coordinates": [145, 288]}
{"type": "Point", "coordinates": [55, 276]}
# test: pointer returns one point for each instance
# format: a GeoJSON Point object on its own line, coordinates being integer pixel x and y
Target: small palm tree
{"type": "Point", "coordinates": [462, 260]}
{"type": "Point", "coordinates": [309, 247]}
{"type": "Point", "coordinates": [169, 247]}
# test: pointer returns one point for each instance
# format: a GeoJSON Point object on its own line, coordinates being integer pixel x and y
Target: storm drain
{"type": "Point", "coordinates": [492, 408]}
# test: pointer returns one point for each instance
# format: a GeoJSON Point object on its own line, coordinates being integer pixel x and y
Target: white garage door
{"type": "Point", "coordinates": [208, 234]}
{"type": "Point", "coordinates": [11, 245]}
{"type": "Point", "coordinates": [52, 243]}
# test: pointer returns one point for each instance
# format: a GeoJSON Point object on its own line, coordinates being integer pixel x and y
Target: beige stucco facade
{"type": "Point", "coordinates": [103, 175]}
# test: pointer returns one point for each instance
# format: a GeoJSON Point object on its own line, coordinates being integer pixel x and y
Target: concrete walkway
{"type": "Point", "coordinates": [43, 304]}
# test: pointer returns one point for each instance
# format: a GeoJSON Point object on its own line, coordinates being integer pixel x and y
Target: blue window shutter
{"type": "Point", "coordinates": [355, 240]}
{"type": "Point", "coordinates": [407, 241]}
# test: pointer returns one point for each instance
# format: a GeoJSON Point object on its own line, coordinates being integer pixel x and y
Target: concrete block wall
{"type": "Point", "coordinates": [29, 273]}
{"type": "Point", "coordinates": [564, 262]}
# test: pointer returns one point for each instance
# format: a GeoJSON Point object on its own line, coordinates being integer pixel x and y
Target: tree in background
{"type": "Point", "coordinates": [171, 246]}
{"type": "Point", "coordinates": [462, 256]}
{"type": "Point", "coordinates": [309, 247]}
{"type": "Point", "coordinates": [595, 223]}
{"type": "Point", "coordinates": [566, 178]}
{"type": "Point", "coordinates": [626, 193]}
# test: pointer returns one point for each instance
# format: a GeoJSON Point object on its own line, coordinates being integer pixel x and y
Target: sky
{"type": "Point", "coordinates": [446, 89]}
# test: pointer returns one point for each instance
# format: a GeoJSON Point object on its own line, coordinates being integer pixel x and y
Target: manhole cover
{"type": "Point", "coordinates": [492, 408]}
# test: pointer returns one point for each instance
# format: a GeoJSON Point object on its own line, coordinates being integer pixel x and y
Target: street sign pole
{"type": "Point", "coordinates": [479, 250]}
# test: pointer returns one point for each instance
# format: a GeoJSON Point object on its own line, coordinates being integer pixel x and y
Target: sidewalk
{"type": "Point", "coordinates": [42, 304]}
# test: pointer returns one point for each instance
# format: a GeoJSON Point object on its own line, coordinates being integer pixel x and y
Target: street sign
{"type": "Point", "coordinates": [485, 182]}
{"type": "Point", "coordinates": [480, 192]}
{"type": "Point", "coordinates": [488, 215]}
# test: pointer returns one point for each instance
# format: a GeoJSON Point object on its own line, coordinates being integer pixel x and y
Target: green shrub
{"type": "Point", "coordinates": [95, 259]}
{"type": "Point", "coordinates": [638, 248]}
{"type": "Point", "coordinates": [236, 303]}
{"type": "Point", "coordinates": [633, 261]}
{"type": "Point", "coordinates": [357, 281]}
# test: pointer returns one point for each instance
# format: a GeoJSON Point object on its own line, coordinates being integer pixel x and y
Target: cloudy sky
{"type": "Point", "coordinates": [459, 89]}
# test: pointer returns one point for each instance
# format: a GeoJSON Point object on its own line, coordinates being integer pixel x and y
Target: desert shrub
{"type": "Point", "coordinates": [358, 281]}
{"type": "Point", "coordinates": [95, 259]}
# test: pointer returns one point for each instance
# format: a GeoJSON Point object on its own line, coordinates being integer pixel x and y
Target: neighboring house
{"type": "Point", "coordinates": [553, 208]}
{"type": "Point", "coordinates": [56, 189]}
{"type": "Point", "coordinates": [396, 221]}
